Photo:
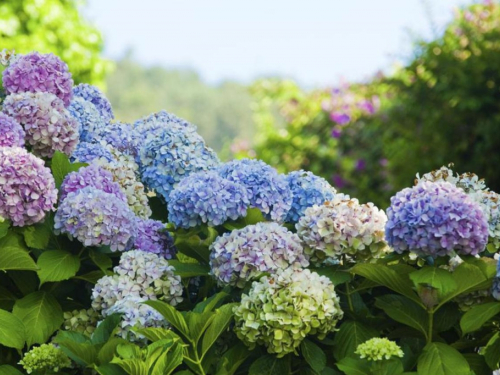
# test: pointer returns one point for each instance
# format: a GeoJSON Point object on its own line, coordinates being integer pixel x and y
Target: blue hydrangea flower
{"type": "Point", "coordinates": [241, 255]}
{"type": "Point", "coordinates": [153, 238]}
{"type": "Point", "coordinates": [86, 152]}
{"type": "Point", "coordinates": [95, 218]}
{"type": "Point", "coordinates": [205, 197]}
{"type": "Point", "coordinates": [93, 95]}
{"type": "Point", "coordinates": [93, 176]}
{"type": "Point", "coordinates": [87, 116]}
{"type": "Point", "coordinates": [171, 155]}
{"type": "Point", "coordinates": [11, 132]}
{"type": "Point", "coordinates": [267, 190]}
{"type": "Point", "coordinates": [159, 120]}
{"type": "Point", "coordinates": [121, 136]}
{"type": "Point", "coordinates": [307, 190]}
{"type": "Point", "coordinates": [435, 219]}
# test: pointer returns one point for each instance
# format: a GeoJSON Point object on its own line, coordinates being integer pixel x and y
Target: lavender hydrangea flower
{"type": "Point", "coordinates": [152, 238]}
{"type": "Point", "coordinates": [121, 136]}
{"type": "Point", "coordinates": [88, 117]}
{"type": "Point", "coordinates": [267, 190]}
{"type": "Point", "coordinates": [27, 188]}
{"type": "Point", "coordinates": [93, 176]}
{"type": "Point", "coordinates": [11, 132]}
{"type": "Point", "coordinates": [36, 72]}
{"type": "Point", "coordinates": [434, 219]}
{"type": "Point", "coordinates": [205, 197]}
{"type": "Point", "coordinates": [238, 256]}
{"type": "Point", "coordinates": [48, 125]}
{"type": "Point", "coordinates": [95, 218]}
{"type": "Point", "coordinates": [307, 190]}
{"type": "Point", "coordinates": [86, 152]}
{"type": "Point", "coordinates": [171, 155]}
{"type": "Point", "coordinates": [93, 95]}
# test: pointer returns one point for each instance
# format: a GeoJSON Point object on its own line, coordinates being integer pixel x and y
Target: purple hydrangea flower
{"type": "Point", "coordinates": [241, 255]}
{"type": "Point", "coordinates": [11, 132]}
{"type": "Point", "coordinates": [340, 118]}
{"type": "Point", "coordinates": [27, 188]}
{"type": "Point", "coordinates": [36, 72]}
{"type": "Point", "coordinates": [95, 218]}
{"type": "Point", "coordinates": [267, 190]}
{"type": "Point", "coordinates": [86, 152]}
{"type": "Point", "coordinates": [205, 197]}
{"type": "Point", "coordinates": [153, 238]}
{"type": "Point", "coordinates": [93, 95]}
{"type": "Point", "coordinates": [93, 176]}
{"type": "Point", "coordinates": [88, 117]}
{"type": "Point", "coordinates": [171, 155]}
{"type": "Point", "coordinates": [307, 190]}
{"type": "Point", "coordinates": [48, 125]}
{"type": "Point", "coordinates": [434, 219]}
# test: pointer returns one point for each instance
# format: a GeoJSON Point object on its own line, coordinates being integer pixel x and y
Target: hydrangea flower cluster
{"type": "Point", "coordinates": [477, 190]}
{"type": "Point", "coordinates": [81, 321]}
{"type": "Point", "coordinates": [88, 117]}
{"type": "Point", "coordinates": [93, 95]}
{"type": "Point", "coordinates": [280, 311]}
{"type": "Point", "coordinates": [307, 190]}
{"type": "Point", "coordinates": [48, 125]}
{"type": "Point", "coordinates": [139, 276]}
{"type": "Point", "coordinates": [378, 349]}
{"type": "Point", "coordinates": [343, 227]}
{"type": "Point", "coordinates": [241, 255]}
{"type": "Point", "coordinates": [153, 238]}
{"type": "Point", "coordinates": [27, 188]}
{"type": "Point", "coordinates": [121, 136]}
{"type": "Point", "coordinates": [93, 176]}
{"type": "Point", "coordinates": [44, 359]}
{"type": "Point", "coordinates": [267, 190]}
{"type": "Point", "coordinates": [85, 152]}
{"type": "Point", "coordinates": [11, 132]}
{"type": "Point", "coordinates": [150, 125]}
{"type": "Point", "coordinates": [172, 154]}
{"type": "Point", "coordinates": [95, 218]}
{"type": "Point", "coordinates": [205, 197]}
{"type": "Point", "coordinates": [435, 219]}
{"type": "Point", "coordinates": [36, 72]}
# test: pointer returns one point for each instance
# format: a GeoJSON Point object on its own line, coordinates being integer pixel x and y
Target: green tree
{"type": "Point", "coordinates": [54, 26]}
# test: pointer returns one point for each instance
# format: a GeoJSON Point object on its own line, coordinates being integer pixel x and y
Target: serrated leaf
{"type": "Point", "coordinates": [60, 167]}
{"type": "Point", "coordinates": [12, 331]}
{"type": "Point", "coordinates": [478, 315]}
{"type": "Point", "coordinates": [313, 355]}
{"type": "Point", "coordinates": [9, 370]}
{"type": "Point", "coordinates": [14, 255]}
{"type": "Point", "coordinates": [403, 310]}
{"type": "Point", "coordinates": [270, 365]}
{"type": "Point", "coordinates": [189, 269]}
{"type": "Point", "coordinates": [349, 336]}
{"type": "Point", "coordinates": [57, 265]}
{"type": "Point", "coordinates": [172, 316]}
{"type": "Point", "coordinates": [441, 359]}
{"type": "Point", "coordinates": [41, 314]}
{"type": "Point", "coordinates": [220, 323]}
{"type": "Point", "coordinates": [104, 330]}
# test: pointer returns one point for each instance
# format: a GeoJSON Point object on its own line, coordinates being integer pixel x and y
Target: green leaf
{"type": "Point", "coordinates": [189, 269]}
{"type": "Point", "coordinates": [392, 366]}
{"type": "Point", "coordinates": [446, 317]}
{"type": "Point", "coordinates": [491, 352]}
{"type": "Point", "coordinates": [91, 277]}
{"type": "Point", "coordinates": [223, 317]}
{"type": "Point", "coordinates": [110, 369]}
{"type": "Point", "coordinates": [253, 216]}
{"type": "Point", "coordinates": [12, 331]}
{"type": "Point", "coordinates": [477, 364]}
{"type": "Point", "coordinates": [172, 316]}
{"type": "Point", "coordinates": [104, 330]}
{"type": "Point", "coordinates": [9, 370]}
{"type": "Point", "coordinates": [478, 315]}
{"type": "Point", "coordinates": [108, 350]}
{"type": "Point", "coordinates": [210, 303]}
{"type": "Point", "coordinates": [232, 359]}
{"type": "Point", "coordinates": [84, 354]}
{"type": "Point", "coordinates": [198, 323]}
{"type": "Point", "coordinates": [41, 314]}
{"type": "Point", "coordinates": [38, 236]}
{"type": "Point", "coordinates": [336, 276]}
{"type": "Point", "coordinates": [354, 366]}
{"type": "Point", "coordinates": [77, 337]}
{"type": "Point", "coordinates": [384, 275]}
{"type": "Point", "coordinates": [132, 366]}
{"type": "Point", "coordinates": [14, 255]}
{"type": "Point", "coordinates": [156, 333]}
{"type": "Point", "coordinates": [405, 311]}
{"type": "Point", "coordinates": [168, 362]}
{"type": "Point", "coordinates": [441, 359]}
{"type": "Point", "coordinates": [194, 248]}
{"type": "Point", "coordinates": [270, 365]}
{"type": "Point", "coordinates": [313, 355]}
{"type": "Point", "coordinates": [7, 299]}
{"type": "Point", "coordinates": [349, 336]}
{"type": "Point", "coordinates": [101, 260]}
{"type": "Point", "coordinates": [60, 167]}
{"type": "Point", "coordinates": [26, 281]}
{"type": "Point", "coordinates": [4, 228]}
{"type": "Point", "coordinates": [436, 278]}
{"type": "Point", "coordinates": [57, 265]}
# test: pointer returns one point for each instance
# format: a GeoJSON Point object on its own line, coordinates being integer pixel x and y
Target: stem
{"type": "Point", "coordinates": [431, 323]}
{"type": "Point", "coordinates": [349, 300]}
{"type": "Point", "coordinates": [197, 359]}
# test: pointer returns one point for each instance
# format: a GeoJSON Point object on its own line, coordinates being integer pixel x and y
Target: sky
{"type": "Point", "coordinates": [316, 42]}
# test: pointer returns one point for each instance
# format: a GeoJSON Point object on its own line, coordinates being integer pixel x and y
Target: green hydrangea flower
{"type": "Point", "coordinates": [81, 321]}
{"type": "Point", "coordinates": [45, 357]}
{"type": "Point", "coordinates": [378, 349]}
{"type": "Point", "coordinates": [281, 310]}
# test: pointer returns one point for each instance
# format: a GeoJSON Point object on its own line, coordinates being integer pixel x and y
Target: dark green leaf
{"type": "Point", "coordinates": [232, 359]}
{"type": "Point", "coordinates": [349, 336]}
{"type": "Point", "coordinates": [189, 269]}
{"type": "Point", "coordinates": [270, 365]}
{"type": "Point", "coordinates": [336, 276]}
{"type": "Point", "coordinates": [57, 265]}
{"type": "Point", "coordinates": [491, 352]}
{"type": "Point", "coordinates": [354, 366]}
{"type": "Point", "coordinates": [405, 311]}
{"type": "Point", "coordinates": [14, 255]}
{"type": "Point", "coordinates": [60, 167]}
{"type": "Point", "coordinates": [313, 355]}
{"type": "Point", "coordinates": [108, 350]}
{"type": "Point", "coordinates": [436, 278]}
{"type": "Point", "coordinates": [478, 315]}
{"type": "Point", "coordinates": [91, 277]}
{"type": "Point", "coordinates": [104, 330]}
{"type": "Point", "coordinates": [110, 369]}
{"type": "Point", "coordinates": [12, 331]}
{"type": "Point", "coordinates": [477, 364]}
{"type": "Point", "coordinates": [210, 303]}
{"type": "Point", "coordinates": [442, 359]}
{"type": "Point", "coordinates": [172, 316]}
{"type": "Point", "coordinates": [38, 236]}
{"type": "Point", "coordinates": [9, 370]}
{"type": "Point", "coordinates": [223, 316]}
{"type": "Point", "coordinates": [84, 354]}
{"type": "Point", "coordinates": [101, 260]}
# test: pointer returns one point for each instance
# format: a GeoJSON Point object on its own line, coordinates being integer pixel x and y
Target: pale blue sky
{"type": "Point", "coordinates": [316, 42]}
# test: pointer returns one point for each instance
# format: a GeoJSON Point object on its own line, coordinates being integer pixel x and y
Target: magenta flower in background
{"type": "Point", "coordinates": [360, 164]}
{"type": "Point", "coordinates": [338, 181]}
{"type": "Point", "coordinates": [340, 118]}
{"type": "Point", "coordinates": [336, 132]}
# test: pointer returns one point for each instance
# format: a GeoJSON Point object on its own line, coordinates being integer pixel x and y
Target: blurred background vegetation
{"type": "Point", "coordinates": [367, 138]}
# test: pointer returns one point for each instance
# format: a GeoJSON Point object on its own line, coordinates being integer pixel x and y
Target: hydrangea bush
{"type": "Point", "coordinates": [131, 248]}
